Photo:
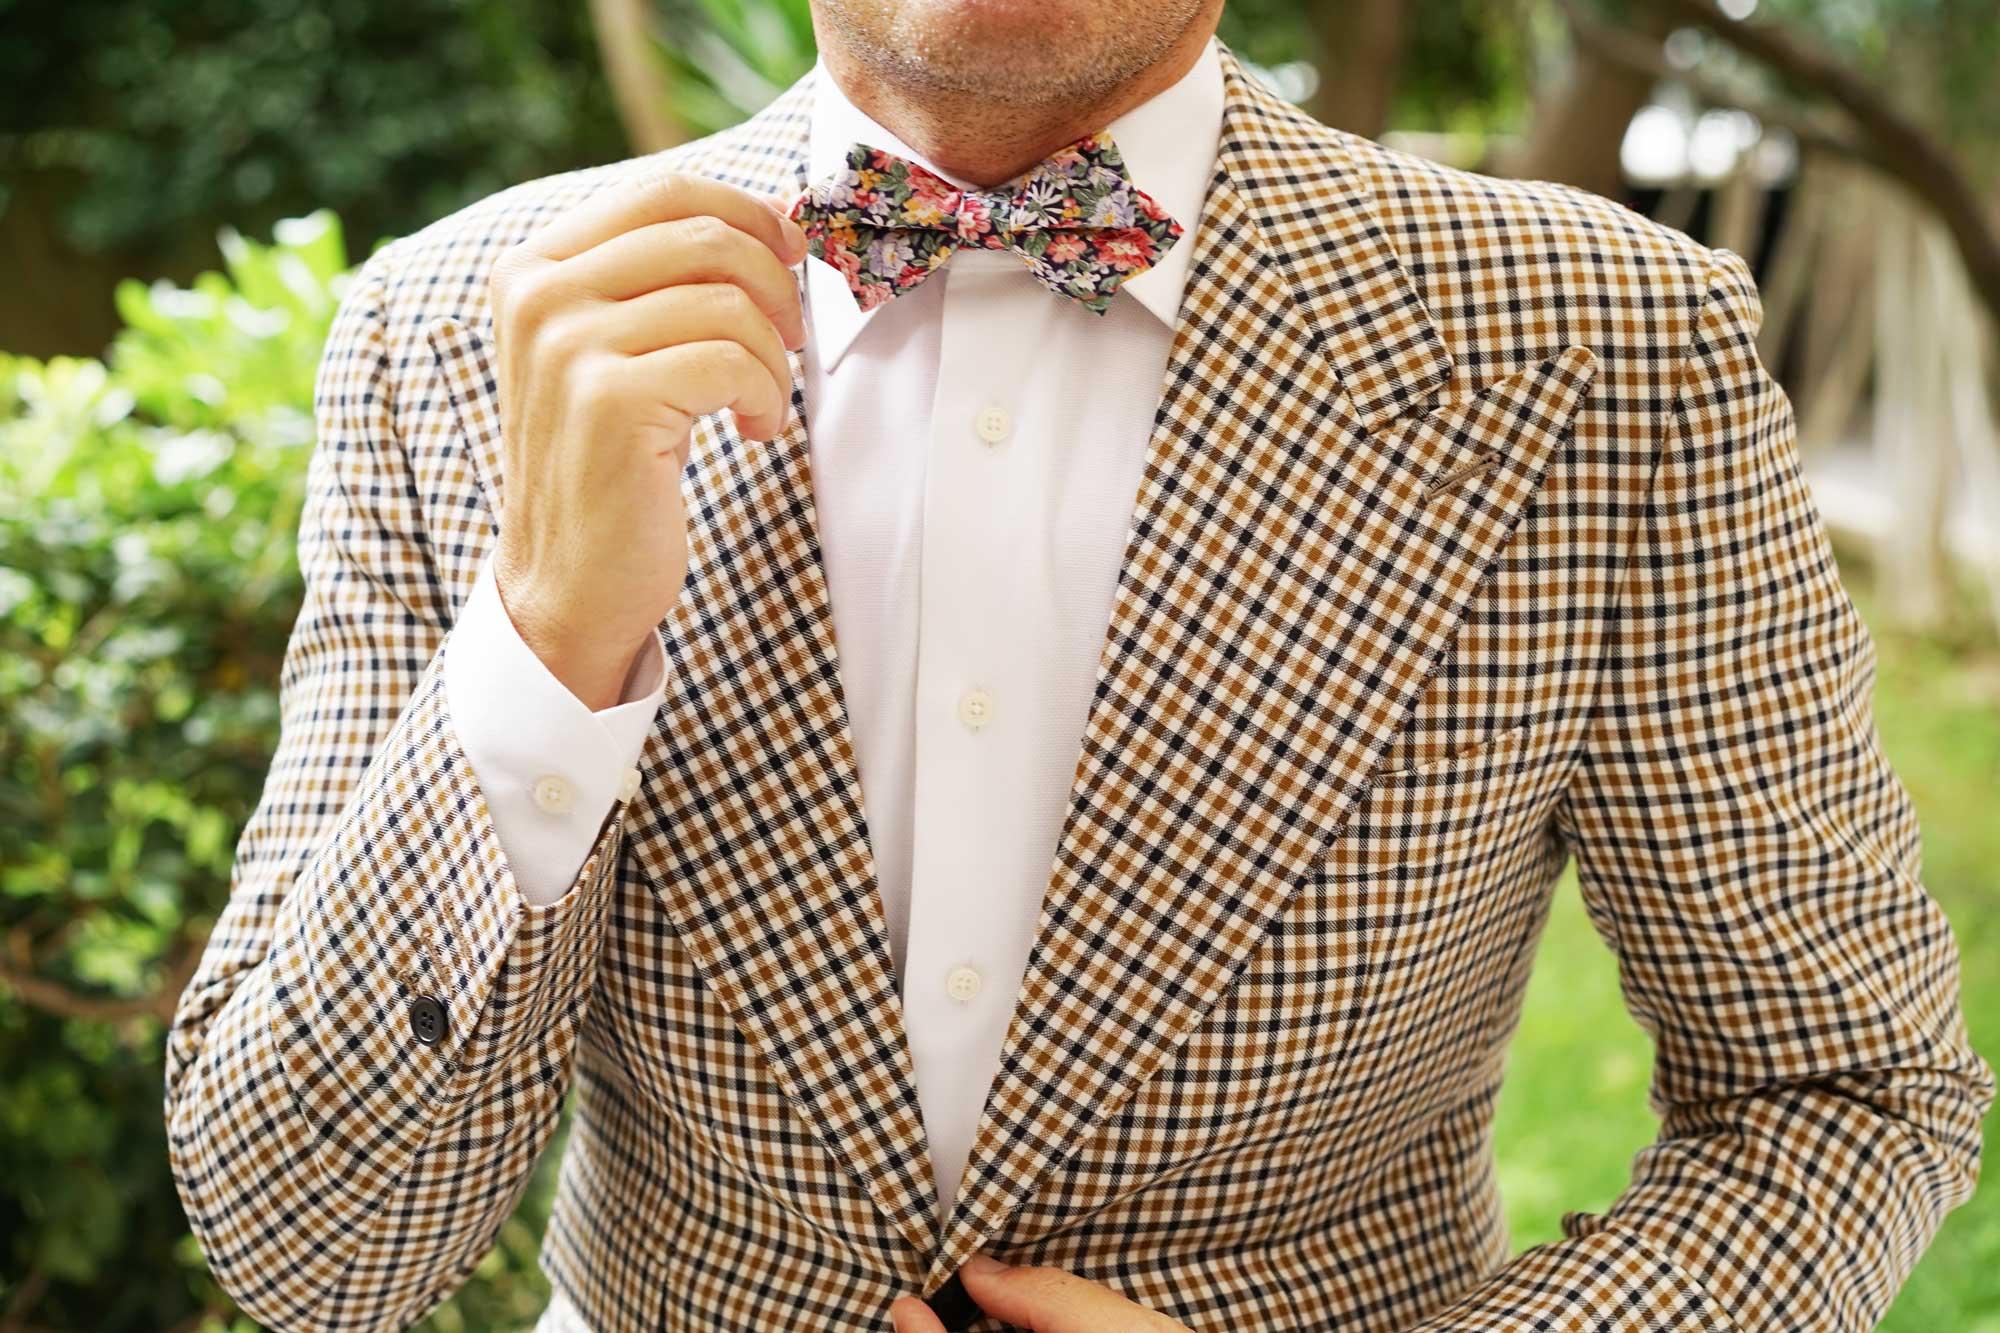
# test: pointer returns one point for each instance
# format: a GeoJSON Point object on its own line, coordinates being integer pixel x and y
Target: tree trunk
{"type": "Point", "coordinates": [1578, 123]}
{"type": "Point", "coordinates": [1358, 47]}
{"type": "Point", "coordinates": [56, 300]}
{"type": "Point", "coordinates": [638, 79]}
{"type": "Point", "coordinates": [1912, 421]}
{"type": "Point", "coordinates": [1970, 427]}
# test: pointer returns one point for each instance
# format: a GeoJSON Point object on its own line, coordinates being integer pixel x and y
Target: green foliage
{"type": "Point", "coordinates": [180, 114]}
{"type": "Point", "coordinates": [1466, 67]}
{"type": "Point", "coordinates": [727, 58]}
{"type": "Point", "coordinates": [147, 583]}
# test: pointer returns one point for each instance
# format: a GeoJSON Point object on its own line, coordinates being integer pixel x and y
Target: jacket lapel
{"type": "Point", "coordinates": [749, 827]}
{"type": "Point", "coordinates": [1305, 540]}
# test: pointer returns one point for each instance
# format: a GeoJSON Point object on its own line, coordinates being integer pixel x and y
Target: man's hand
{"type": "Point", "coordinates": [615, 327]}
{"type": "Point", "coordinates": [1046, 1300]}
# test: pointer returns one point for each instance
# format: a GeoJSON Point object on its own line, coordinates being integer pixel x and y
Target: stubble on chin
{"type": "Point", "coordinates": [1008, 53]}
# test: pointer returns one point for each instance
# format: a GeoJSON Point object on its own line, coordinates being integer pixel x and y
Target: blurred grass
{"type": "Point", "coordinates": [1573, 1109]}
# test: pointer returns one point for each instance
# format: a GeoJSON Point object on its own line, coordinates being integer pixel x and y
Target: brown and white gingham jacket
{"type": "Point", "coordinates": [1471, 537]}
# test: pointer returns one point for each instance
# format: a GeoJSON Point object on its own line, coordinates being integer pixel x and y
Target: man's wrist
{"type": "Point", "coordinates": [599, 678]}
{"type": "Point", "coordinates": [596, 668]}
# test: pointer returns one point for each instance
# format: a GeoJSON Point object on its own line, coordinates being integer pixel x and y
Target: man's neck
{"type": "Point", "coordinates": [977, 141]}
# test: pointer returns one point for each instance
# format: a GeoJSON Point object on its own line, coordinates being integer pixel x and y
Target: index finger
{"type": "Point", "coordinates": [663, 198]}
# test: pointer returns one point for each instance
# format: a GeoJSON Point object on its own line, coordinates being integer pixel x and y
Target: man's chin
{"type": "Point", "coordinates": [989, 36]}
{"type": "Point", "coordinates": [1008, 53]}
{"type": "Point", "coordinates": [1015, 14]}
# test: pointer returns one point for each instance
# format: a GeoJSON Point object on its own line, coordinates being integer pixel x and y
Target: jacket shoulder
{"type": "Point", "coordinates": [1435, 211]}
{"type": "Point", "coordinates": [1513, 270]}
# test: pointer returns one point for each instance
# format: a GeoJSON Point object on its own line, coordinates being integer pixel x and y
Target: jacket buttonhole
{"type": "Point", "coordinates": [1450, 481]}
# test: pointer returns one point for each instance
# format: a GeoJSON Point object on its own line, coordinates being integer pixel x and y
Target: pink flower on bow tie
{"type": "Point", "coordinates": [975, 218]}
{"type": "Point", "coordinates": [1065, 246]}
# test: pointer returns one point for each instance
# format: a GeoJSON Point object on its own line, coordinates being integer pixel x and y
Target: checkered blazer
{"type": "Point", "coordinates": [1471, 537]}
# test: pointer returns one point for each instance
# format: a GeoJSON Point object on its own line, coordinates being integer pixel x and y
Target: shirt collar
{"type": "Point", "coordinates": [1168, 143]}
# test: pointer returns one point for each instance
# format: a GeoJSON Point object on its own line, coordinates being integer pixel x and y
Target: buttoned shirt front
{"type": "Point", "coordinates": [976, 447]}
{"type": "Point", "coordinates": [976, 451]}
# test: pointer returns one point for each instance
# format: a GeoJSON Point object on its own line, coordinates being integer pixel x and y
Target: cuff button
{"type": "Point", "coordinates": [427, 1020]}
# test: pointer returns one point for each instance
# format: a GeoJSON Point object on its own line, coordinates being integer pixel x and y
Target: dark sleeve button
{"type": "Point", "coordinates": [427, 1019]}
{"type": "Point", "coordinates": [953, 1305]}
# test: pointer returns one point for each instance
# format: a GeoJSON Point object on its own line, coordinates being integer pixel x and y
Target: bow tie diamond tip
{"type": "Point", "coordinates": [1083, 229]}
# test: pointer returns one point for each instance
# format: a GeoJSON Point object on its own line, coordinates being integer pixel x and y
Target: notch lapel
{"type": "Point", "coordinates": [749, 827]}
{"type": "Point", "coordinates": [1305, 540]}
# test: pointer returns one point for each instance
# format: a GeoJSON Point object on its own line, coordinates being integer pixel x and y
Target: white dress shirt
{"type": "Point", "coordinates": [976, 449]}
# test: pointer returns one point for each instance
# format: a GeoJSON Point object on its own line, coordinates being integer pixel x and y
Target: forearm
{"type": "Point", "coordinates": [340, 1170]}
{"type": "Point", "coordinates": [1727, 1181]}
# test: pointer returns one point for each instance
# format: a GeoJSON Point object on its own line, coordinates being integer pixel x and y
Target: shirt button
{"type": "Point", "coordinates": [553, 794]}
{"type": "Point", "coordinates": [427, 1019]}
{"type": "Point", "coordinates": [975, 708]}
{"type": "Point", "coordinates": [993, 423]}
{"type": "Point", "coordinates": [962, 983]}
{"type": "Point", "coordinates": [628, 786]}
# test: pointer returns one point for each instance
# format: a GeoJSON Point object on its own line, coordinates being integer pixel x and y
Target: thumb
{"type": "Point", "coordinates": [1047, 1300]}
{"type": "Point", "coordinates": [913, 1316]}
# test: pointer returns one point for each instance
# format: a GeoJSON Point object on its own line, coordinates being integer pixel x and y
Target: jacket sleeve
{"type": "Point", "coordinates": [1745, 849]}
{"type": "Point", "coordinates": [373, 1053]}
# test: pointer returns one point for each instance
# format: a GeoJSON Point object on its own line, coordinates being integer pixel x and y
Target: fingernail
{"type": "Point", "coordinates": [983, 1264]}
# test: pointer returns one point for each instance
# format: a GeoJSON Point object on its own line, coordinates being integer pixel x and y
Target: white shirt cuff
{"type": "Point", "coordinates": [550, 768]}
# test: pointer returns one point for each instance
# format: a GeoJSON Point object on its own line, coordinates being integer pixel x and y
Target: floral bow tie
{"type": "Point", "coordinates": [887, 223]}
